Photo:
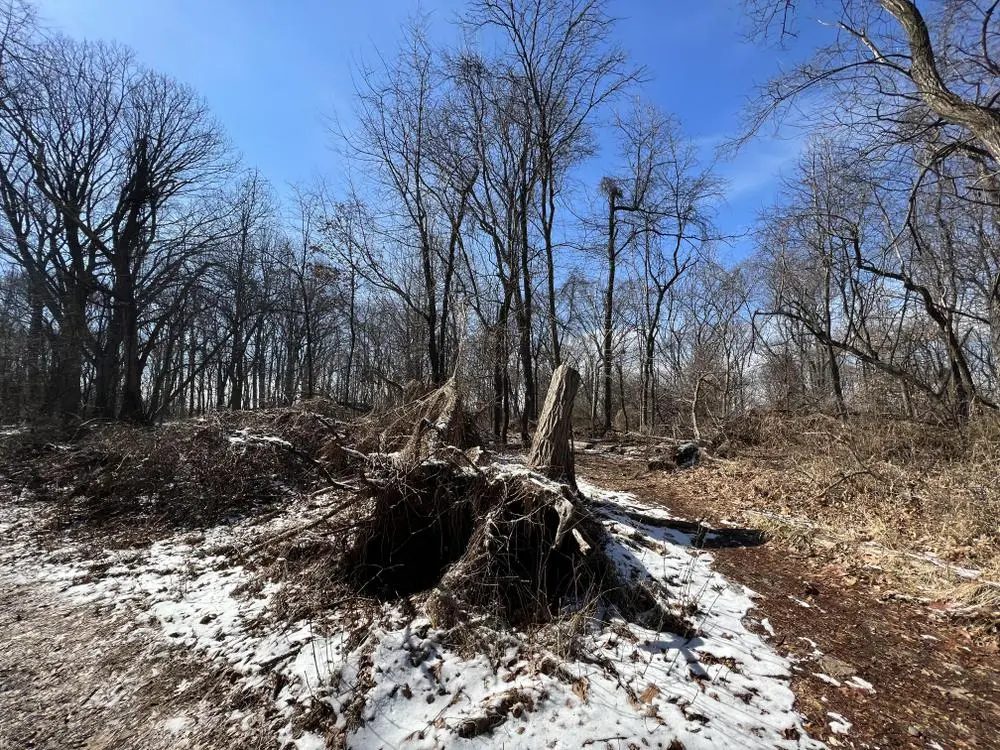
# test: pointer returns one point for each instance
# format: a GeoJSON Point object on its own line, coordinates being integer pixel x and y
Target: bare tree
{"type": "Point", "coordinates": [499, 124]}
{"type": "Point", "coordinates": [564, 53]}
{"type": "Point", "coordinates": [887, 68]}
{"type": "Point", "coordinates": [404, 135]}
{"type": "Point", "coordinates": [663, 202]}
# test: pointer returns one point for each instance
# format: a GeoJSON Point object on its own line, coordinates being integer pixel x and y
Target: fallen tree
{"type": "Point", "coordinates": [515, 544]}
{"type": "Point", "coordinates": [428, 522]}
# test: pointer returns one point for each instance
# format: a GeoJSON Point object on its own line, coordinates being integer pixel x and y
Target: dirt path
{"type": "Point", "coordinates": [72, 677]}
{"type": "Point", "coordinates": [933, 687]}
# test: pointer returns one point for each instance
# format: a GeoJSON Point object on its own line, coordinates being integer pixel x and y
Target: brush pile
{"type": "Point", "coordinates": [462, 540]}
{"type": "Point", "coordinates": [126, 479]}
{"type": "Point", "coordinates": [431, 522]}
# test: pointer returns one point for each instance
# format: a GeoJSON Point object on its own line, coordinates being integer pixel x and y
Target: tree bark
{"type": "Point", "coordinates": [836, 382]}
{"type": "Point", "coordinates": [609, 302]}
{"type": "Point", "coordinates": [522, 315]}
{"type": "Point", "coordinates": [983, 122]}
{"type": "Point", "coordinates": [34, 352]}
{"type": "Point", "coordinates": [551, 453]}
{"type": "Point", "coordinates": [548, 211]}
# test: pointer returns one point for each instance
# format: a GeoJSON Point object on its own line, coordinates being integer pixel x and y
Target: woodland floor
{"type": "Point", "coordinates": [77, 676]}
{"type": "Point", "coordinates": [872, 666]}
{"type": "Point", "coordinates": [935, 685]}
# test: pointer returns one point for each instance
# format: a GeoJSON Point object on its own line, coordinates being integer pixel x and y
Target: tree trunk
{"type": "Point", "coordinates": [522, 316]}
{"type": "Point", "coordinates": [609, 302]}
{"type": "Point", "coordinates": [595, 392]}
{"type": "Point", "coordinates": [108, 367]}
{"type": "Point", "coordinates": [68, 390]}
{"type": "Point", "coordinates": [192, 370]}
{"type": "Point", "coordinates": [837, 382]}
{"type": "Point", "coordinates": [551, 453]}
{"type": "Point", "coordinates": [351, 340]}
{"type": "Point", "coordinates": [32, 391]}
{"type": "Point", "coordinates": [548, 206]}
{"type": "Point", "coordinates": [132, 408]}
{"type": "Point", "coordinates": [501, 404]}
{"type": "Point", "coordinates": [648, 363]}
{"type": "Point", "coordinates": [291, 356]}
{"type": "Point", "coordinates": [621, 396]}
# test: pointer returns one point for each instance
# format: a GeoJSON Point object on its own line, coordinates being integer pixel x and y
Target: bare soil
{"type": "Point", "coordinates": [933, 681]}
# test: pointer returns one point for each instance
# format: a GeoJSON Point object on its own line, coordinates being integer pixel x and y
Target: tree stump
{"type": "Point", "coordinates": [550, 451]}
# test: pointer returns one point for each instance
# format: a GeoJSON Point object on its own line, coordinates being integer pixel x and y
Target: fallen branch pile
{"type": "Point", "coordinates": [428, 523]}
{"type": "Point", "coordinates": [185, 474]}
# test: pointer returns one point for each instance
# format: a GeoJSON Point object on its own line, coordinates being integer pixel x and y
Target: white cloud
{"type": "Point", "coordinates": [759, 166]}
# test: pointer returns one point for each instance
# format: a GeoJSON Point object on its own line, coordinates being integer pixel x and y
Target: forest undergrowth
{"type": "Point", "coordinates": [910, 504]}
{"type": "Point", "coordinates": [914, 503]}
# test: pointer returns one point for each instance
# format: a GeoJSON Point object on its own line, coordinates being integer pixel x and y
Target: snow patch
{"type": "Point", "coordinates": [245, 437]}
{"type": "Point", "coordinates": [722, 686]}
{"type": "Point", "coordinates": [839, 725]}
{"type": "Point", "coordinates": [861, 684]}
{"type": "Point", "coordinates": [176, 724]}
{"type": "Point", "coordinates": [827, 679]}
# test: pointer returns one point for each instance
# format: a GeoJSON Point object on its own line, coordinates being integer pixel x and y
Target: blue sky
{"type": "Point", "coordinates": [275, 71]}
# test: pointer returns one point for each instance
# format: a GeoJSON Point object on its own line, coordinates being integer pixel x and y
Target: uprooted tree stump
{"type": "Point", "coordinates": [497, 539]}
{"type": "Point", "coordinates": [518, 545]}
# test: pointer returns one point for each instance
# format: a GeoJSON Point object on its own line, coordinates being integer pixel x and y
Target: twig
{"type": "Point", "coordinates": [335, 486]}
{"type": "Point", "coordinates": [843, 478]}
{"type": "Point", "coordinates": [304, 527]}
{"type": "Point", "coordinates": [778, 517]}
{"type": "Point", "coordinates": [355, 454]}
{"type": "Point", "coordinates": [295, 452]}
{"type": "Point", "coordinates": [276, 660]}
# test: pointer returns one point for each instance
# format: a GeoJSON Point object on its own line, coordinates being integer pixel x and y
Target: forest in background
{"type": "Point", "coordinates": [148, 274]}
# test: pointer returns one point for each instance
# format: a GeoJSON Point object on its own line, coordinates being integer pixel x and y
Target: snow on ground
{"type": "Point", "coordinates": [246, 437]}
{"type": "Point", "coordinates": [724, 686]}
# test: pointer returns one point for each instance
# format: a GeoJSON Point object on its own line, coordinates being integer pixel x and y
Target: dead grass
{"type": "Point", "coordinates": [75, 676]}
{"type": "Point", "coordinates": [920, 502]}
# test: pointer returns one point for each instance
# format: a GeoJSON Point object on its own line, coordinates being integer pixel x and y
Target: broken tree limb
{"type": "Point", "coordinates": [441, 421]}
{"type": "Point", "coordinates": [551, 453]}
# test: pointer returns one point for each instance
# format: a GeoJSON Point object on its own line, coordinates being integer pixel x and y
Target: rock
{"type": "Point", "coordinates": [687, 455]}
